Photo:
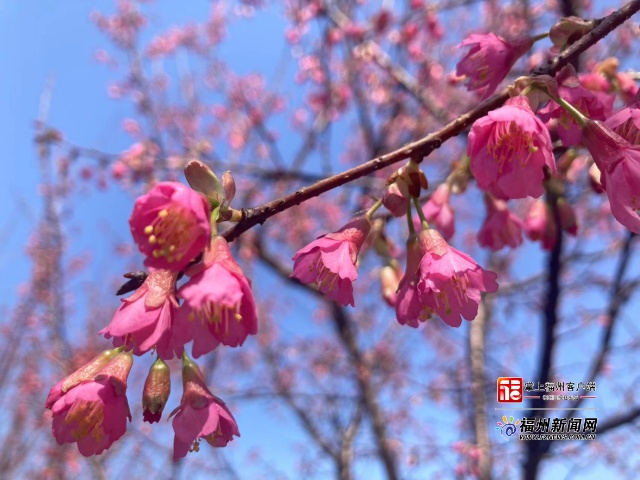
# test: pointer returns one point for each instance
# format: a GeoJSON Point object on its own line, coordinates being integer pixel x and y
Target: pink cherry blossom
{"type": "Point", "coordinates": [440, 279]}
{"type": "Point", "coordinates": [330, 261]}
{"type": "Point", "coordinates": [501, 227]}
{"type": "Point", "coordinates": [146, 319]}
{"type": "Point", "coordinates": [626, 122]}
{"type": "Point", "coordinates": [218, 302]}
{"type": "Point", "coordinates": [489, 60]}
{"type": "Point", "coordinates": [540, 224]}
{"type": "Point", "coordinates": [171, 226]}
{"type": "Point", "coordinates": [201, 415]}
{"type": "Point", "coordinates": [619, 164]}
{"type": "Point", "coordinates": [396, 198]}
{"type": "Point", "coordinates": [93, 412]}
{"type": "Point", "coordinates": [509, 149]}
{"type": "Point", "coordinates": [594, 106]}
{"type": "Point", "coordinates": [438, 211]}
{"type": "Point", "coordinates": [86, 372]}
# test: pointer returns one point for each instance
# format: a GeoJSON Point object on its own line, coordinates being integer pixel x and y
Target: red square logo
{"type": "Point", "coordinates": [510, 389]}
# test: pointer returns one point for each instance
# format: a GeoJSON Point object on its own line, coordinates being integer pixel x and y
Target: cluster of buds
{"type": "Point", "coordinates": [174, 227]}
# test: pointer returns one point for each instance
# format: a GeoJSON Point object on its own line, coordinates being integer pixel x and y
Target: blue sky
{"type": "Point", "coordinates": [42, 43]}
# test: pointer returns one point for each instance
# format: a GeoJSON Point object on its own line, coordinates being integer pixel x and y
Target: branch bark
{"type": "Point", "coordinates": [424, 146]}
{"type": "Point", "coordinates": [477, 336]}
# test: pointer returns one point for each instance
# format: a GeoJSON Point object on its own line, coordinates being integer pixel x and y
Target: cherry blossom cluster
{"type": "Point", "coordinates": [174, 227]}
{"type": "Point", "coordinates": [525, 149]}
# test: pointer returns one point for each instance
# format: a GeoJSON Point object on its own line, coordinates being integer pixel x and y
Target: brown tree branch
{"type": "Point", "coordinates": [424, 146]}
{"type": "Point", "coordinates": [477, 336]}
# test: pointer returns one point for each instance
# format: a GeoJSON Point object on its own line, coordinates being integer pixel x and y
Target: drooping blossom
{"type": "Point", "coordinates": [509, 149]}
{"type": "Point", "coordinates": [201, 415]}
{"type": "Point", "coordinates": [155, 393]}
{"type": "Point", "coordinates": [395, 199]}
{"type": "Point", "coordinates": [489, 60]}
{"type": "Point", "coordinates": [438, 211]}
{"type": "Point", "coordinates": [90, 407]}
{"type": "Point", "coordinates": [596, 107]}
{"type": "Point", "coordinates": [619, 164]}
{"type": "Point", "coordinates": [218, 302]}
{"type": "Point", "coordinates": [330, 261]}
{"type": "Point", "coordinates": [171, 226]}
{"type": "Point", "coordinates": [440, 279]}
{"type": "Point", "coordinates": [146, 319]}
{"type": "Point", "coordinates": [540, 225]}
{"type": "Point", "coordinates": [501, 227]}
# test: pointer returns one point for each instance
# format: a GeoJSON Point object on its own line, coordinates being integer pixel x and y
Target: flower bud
{"type": "Point", "coordinates": [229, 187]}
{"type": "Point", "coordinates": [157, 388]}
{"type": "Point", "coordinates": [540, 225]}
{"type": "Point", "coordinates": [390, 276]}
{"type": "Point", "coordinates": [202, 179]}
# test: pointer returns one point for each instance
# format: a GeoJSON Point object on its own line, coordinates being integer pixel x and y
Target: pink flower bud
{"type": "Point", "coordinates": [395, 200]}
{"type": "Point", "coordinates": [157, 388]}
{"type": "Point", "coordinates": [438, 211]}
{"type": "Point", "coordinates": [501, 227]}
{"type": "Point", "coordinates": [540, 225]}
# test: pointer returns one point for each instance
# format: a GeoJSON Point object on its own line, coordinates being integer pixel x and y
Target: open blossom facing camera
{"type": "Point", "coordinates": [330, 261]}
{"type": "Point", "coordinates": [145, 320]}
{"type": "Point", "coordinates": [201, 415]}
{"type": "Point", "coordinates": [501, 227]}
{"type": "Point", "coordinates": [218, 302]}
{"type": "Point", "coordinates": [509, 149]}
{"type": "Point", "coordinates": [619, 164]}
{"type": "Point", "coordinates": [489, 60]}
{"type": "Point", "coordinates": [440, 279]}
{"type": "Point", "coordinates": [171, 226]}
{"type": "Point", "coordinates": [92, 409]}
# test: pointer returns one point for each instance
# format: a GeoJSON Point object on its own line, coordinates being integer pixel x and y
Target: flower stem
{"type": "Point", "coordinates": [573, 111]}
{"type": "Point", "coordinates": [412, 229]}
{"type": "Point", "coordinates": [373, 209]}
{"type": "Point", "coordinates": [423, 219]}
{"type": "Point", "coordinates": [540, 36]}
